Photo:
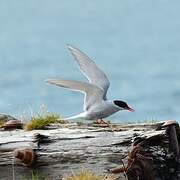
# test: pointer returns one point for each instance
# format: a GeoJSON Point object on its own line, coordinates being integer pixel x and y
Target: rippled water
{"type": "Point", "coordinates": [137, 44]}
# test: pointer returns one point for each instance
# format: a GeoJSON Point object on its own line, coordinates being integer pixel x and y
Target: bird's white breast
{"type": "Point", "coordinates": [101, 110]}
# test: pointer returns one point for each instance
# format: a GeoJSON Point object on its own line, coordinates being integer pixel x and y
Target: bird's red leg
{"type": "Point", "coordinates": [104, 124]}
{"type": "Point", "coordinates": [101, 121]}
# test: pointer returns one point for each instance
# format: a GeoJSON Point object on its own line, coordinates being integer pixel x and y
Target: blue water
{"type": "Point", "coordinates": [136, 42]}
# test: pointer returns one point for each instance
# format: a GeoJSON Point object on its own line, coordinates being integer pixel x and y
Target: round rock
{"type": "Point", "coordinates": [13, 124]}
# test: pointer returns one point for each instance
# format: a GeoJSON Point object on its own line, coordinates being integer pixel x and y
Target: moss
{"type": "Point", "coordinates": [41, 121]}
{"type": "Point", "coordinates": [87, 175]}
{"type": "Point", "coordinates": [1, 123]}
{"type": "Point", "coordinates": [3, 120]}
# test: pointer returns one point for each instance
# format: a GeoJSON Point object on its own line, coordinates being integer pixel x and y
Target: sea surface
{"type": "Point", "coordinates": [136, 42]}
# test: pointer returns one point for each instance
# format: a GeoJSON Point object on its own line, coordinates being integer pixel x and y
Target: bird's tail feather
{"type": "Point", "coordinates": [78, 116]}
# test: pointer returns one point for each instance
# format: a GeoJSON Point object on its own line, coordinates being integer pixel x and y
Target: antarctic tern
{"type": "Point", "coordinates": [96, 105]}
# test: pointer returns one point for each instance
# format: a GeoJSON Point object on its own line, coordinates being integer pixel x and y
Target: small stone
{"type": "Point", "coordinates": [12, 124]}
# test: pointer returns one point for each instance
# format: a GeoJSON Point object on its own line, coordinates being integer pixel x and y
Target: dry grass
{"type": "Point", "coordinates": [87, 175]}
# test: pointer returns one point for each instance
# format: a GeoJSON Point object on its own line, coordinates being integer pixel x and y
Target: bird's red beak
{"type": "Point", "coordinates": [130, 109]}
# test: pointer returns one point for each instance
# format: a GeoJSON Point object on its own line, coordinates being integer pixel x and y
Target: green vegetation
{"type": "Point", "coordinates": [40, 122]}
{"type": "Point", "coordinates": [87, 175]}
{"type": "Point", "coordinates": [35, 176]}
{"type": "Point", "coordinates": [3, 120]}
{"type": "Point", "coordinates": [42, 119]}
{"type": "Point", "coordinates": [1, 123]}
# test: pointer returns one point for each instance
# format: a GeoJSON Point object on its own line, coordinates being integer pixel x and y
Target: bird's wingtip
{"type": "Point", "coordinates": [54, 81]}
{"type": "Point", "coordinates": [69, 46]}
{"type": "Point", "coordinates": [50, 81]}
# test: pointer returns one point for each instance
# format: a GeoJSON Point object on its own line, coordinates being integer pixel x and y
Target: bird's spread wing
{"type": "Point", "coordinates": [95, 75]}
{"type": "Point", "coordinates": [92, 93]}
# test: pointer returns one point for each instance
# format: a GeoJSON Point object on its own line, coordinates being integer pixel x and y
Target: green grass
{"type": "Point", "coordinates": [3, 120]}
{"type": "Point", "coordinates": [34, 176]}
{"type": "Point", "coordinates": [41, 121]}
{"type": "Point", "coordinates": [1, 123]}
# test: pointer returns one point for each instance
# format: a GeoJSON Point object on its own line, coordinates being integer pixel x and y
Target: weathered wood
{"type": "Point", "coordinates": [69, 148]}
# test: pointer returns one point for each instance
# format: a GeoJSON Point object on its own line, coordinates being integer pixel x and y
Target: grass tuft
{"type": "Point", "coordinates": [41, 121]}
{"type": "Point", "coordinates": [34, 176]}
{"type": "Point", "coordinates": [1, 123]}
{"type": "Point", "coordinates": [87, 175]}
{"type": "Point", "coordinates": [3, 120]}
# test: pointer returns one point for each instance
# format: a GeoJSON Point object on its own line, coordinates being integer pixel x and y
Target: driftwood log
{"type": "Point", "coordinates": [63, 149]}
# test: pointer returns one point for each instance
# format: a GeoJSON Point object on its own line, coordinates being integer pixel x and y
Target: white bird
{"type": "Point", "coordinates": [96, 105]}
